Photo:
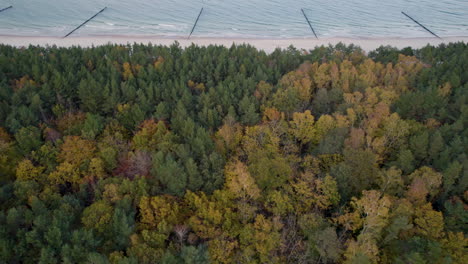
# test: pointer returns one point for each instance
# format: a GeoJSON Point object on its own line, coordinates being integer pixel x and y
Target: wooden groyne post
{"type": "Point", "coordinates": [82, 24]}
{"type": "Point", "coordinates": [3, 9]}
{"type": "Point", "coordinates": [310, 25]}
{"type": "Point", "coordinates": [194, 25]}
{"type": "Point", "coordinates": [421, 25]}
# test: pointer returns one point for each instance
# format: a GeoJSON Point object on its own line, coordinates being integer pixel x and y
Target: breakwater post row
{"type": "Point", "coordinates": [421, 25]}
{"type": "Point", "coordinates": [3, 9]}
{"type": "Point", "coordinates": [82, 24]}
{"type": "Point", "coordinates": [195, 24]}
{"type": "Point", "coordinates": [310, 25]}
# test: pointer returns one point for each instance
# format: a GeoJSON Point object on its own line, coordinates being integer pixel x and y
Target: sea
{"type": "Point", "coordinates": [236, 18]}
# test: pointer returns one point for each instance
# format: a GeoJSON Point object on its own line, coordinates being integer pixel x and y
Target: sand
{"type": "Point", "coordinates": [268, 45]}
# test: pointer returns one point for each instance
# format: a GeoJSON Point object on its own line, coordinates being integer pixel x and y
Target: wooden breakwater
{"type": "Point", "coordinates": [421, 25]}
{"type": "Point", "coordinates": [82, 24]}
{"type": "Point", "coordinates": [6, 8]}
{"type": "Point", "coordinates": [195, 24]}
{"type": "Point", "coordinates": [310, 25]}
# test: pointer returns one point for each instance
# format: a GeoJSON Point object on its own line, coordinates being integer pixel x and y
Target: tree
{"type": "Point", "coordinates": [228, 137]}
{"type": "Point", "coordinates": [239, 181]}
{"type": "Point", "coordinates": [27, 171]}
{"type": "Point", "coordinates": [248, 111]}
{"type": "Point", "coordinates": [428, 223]}
{"type": "Point", "coordinates": [425, 183]}
{"type": "Point", "coordinates": [372, 216]}
{"type": "Point", "coordinates": [356, 173]}
{"type": "Point", "coordinates": [92, 126]}
{"type": "Point", "coordinates": [152, 136]}
{"type": "Point", "coordinates": [294, 91]}
{"type": "Point", "coordinates": [322, 241]}
{"type": "Point", "coordinates": [302, 127]}
{"type": "Point", "coordinates": [260, 240]}
{"type": "Point", "coordinates": [76, 150]}
{"type": "Point", "coordinates": [29, 139]}
{"type": "Point", "coordinates": [98, 216]}
{"type": "Point", "coordinates": [158, 209]}
{"type": "Point", "coordinates": [169, 173]}
{"type": "Point", "coordinates": [313, 192]}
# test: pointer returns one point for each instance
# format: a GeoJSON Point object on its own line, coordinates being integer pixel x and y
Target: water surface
{"type": "Point", "coordinates": [236, 19]}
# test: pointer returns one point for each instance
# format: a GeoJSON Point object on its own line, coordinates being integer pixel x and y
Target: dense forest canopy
{"type": "Point", "coordinates": [154, 154]}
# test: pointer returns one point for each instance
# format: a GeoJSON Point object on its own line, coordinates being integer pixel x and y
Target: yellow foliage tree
{"type": "Point", "coordinates": [76, 150]}
{"type": "Point", "coordinates": [302, 127]}
{"type": "Point", "coordinates": [228, 137]}
{"type": "Point", "coordinates": [127, 71]}
{"type": "Point", "coordinates": [373, 209]}
{"type": "Point", "coordinates": [66, 172]}
{"type": "Point", "coordinates": [260, 240]}
{"type": "Point", "coordinates": [222, 249]}
{"type": "Point", "coordinates": [98, 216]}
{"type": "Point", "coordinates": [26, 171]}
{"type": "Point", "coordinates": [428, 223]}
{"type": "Point", "coordinates": [310, 192]}
{"type": "Point", "coordinates": [456, 244]}
{"type": "Point", "coordinates": [212, 216]}
{"type": "Point", "coordinates": [239, 181]}
{"type": "Point", "coordinates": [157, 209]}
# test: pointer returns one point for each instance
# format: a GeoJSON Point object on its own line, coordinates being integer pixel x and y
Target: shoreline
{"type": "Point", "coordinates": [266, 44]}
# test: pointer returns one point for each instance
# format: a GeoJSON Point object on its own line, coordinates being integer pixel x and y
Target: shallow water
{"type": "Point", "coordinates": [236, 19]}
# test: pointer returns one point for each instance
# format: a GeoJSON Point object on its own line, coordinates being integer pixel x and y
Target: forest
{"type": "Point", "coordinates": [126, 154]}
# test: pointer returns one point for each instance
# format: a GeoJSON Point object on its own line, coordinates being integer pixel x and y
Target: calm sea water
{"type": "Point", "coordinates": [236, 18]}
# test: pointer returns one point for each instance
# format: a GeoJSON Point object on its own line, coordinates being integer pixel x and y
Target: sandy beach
{"type": "Point", "coordinates": [268, 45]}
